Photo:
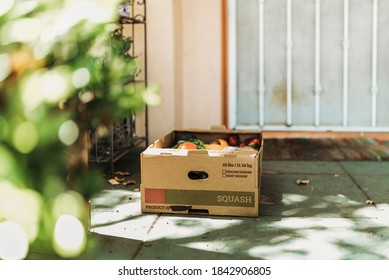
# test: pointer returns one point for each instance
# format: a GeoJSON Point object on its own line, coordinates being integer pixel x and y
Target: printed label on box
{"type": "Point", "coordinates": [200, 197]}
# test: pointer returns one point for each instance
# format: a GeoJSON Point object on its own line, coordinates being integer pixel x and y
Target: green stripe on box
{"type": "Point", "coordinates": [211, 198]}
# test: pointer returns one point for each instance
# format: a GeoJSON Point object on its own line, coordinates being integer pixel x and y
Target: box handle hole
{"type": "Point", "coordinates": [198, 175]}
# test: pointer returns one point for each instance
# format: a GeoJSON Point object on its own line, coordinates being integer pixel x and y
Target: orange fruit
{"type": "Point", "coordinates": [187, 146]}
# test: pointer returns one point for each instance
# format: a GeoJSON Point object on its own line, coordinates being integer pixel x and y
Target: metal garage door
{"type": "Point", "coordinates": [309, 64]}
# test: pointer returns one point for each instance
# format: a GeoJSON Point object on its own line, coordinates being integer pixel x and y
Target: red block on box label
{"type": "Point", "coordinates": [155, 196]}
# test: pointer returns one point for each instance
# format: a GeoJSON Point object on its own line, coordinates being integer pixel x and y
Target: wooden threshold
{"type": "Point", "coordinates": [305, 134]}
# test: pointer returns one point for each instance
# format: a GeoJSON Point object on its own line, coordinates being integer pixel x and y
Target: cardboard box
{"type": "Point", "coordinates": [201, 181]}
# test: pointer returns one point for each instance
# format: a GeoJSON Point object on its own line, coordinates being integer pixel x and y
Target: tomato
{"type": "Point", "coordinates": [253, 140]}
{"type": "Point", "coordinates": [233, 140]}
{"type": "Point", "coordinates": [187, 146]}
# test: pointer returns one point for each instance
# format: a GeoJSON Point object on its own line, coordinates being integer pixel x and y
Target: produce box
{"type": "Point", "coordinates": [206, 179]}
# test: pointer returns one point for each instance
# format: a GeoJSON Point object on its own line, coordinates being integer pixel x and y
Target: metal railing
{"type": "Point", "coordinates": [262, 91]}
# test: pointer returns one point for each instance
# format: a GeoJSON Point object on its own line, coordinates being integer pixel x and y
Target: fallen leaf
{"type": "Point", "coordinates": [265, 200]}
{"type": "Point", "coordinates": [121, 173]}
{"type": "Point", "coordinates": [130, 182]}
{"type": "Point", "coordinates": [302, 181]}
{"type": "Point", "coordinates": [113, 182]}
{"type": "Point", "coordinates": [119, 179]}
{"type": "Point", "coordinates": [369, 201]}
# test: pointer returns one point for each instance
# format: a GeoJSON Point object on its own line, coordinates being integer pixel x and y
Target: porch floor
{"type": "Point", "coordinates": [342, 213]}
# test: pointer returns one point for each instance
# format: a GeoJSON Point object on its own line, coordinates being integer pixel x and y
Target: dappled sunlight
{"type": "Point", "coordinates": [320, 238]}
{"type": "Point", "coordinates": [383, 212]}
{"type": "Point", "coordinates": [366, 212]}
{"type": "Point", "coordinates": [110, 199]}
{"type": "Point", "coordinates": [172, 227]}
{"type": "Point", "coordinates": [341, 199]}
{"type": "Point", "coordinates": [320, 205]}
{"type": "Point", "coordinates": [327, 234]}
{"type": "Point", "coordinates": [298, 223]}
{"type": "Point", "coordinates": [380, 213]}
{"type": "Point", "coordinates": [325, 206]}
{"type": "Point", "coordinates": [323, 238]}
{"type": "Point", "coordinates": [240, 238]}
{"type": "Point", "coordinates": [122, 212]}
{"type": "Point", "coordinates": [124, 228]}
{"type": "Point", "coordinates": [326, 219]}
{"type": "Point", "coordinates": [312, 244]}
{"type": "Point", "coordinates": [325, 196]}
{"type": "Point", "coordinates": [116, 212]}
{"type": "Point", "coordinates": [213, 246]}
{"type": "Point", "coordinates": [292, 212]}
{"type": "Point", "coordinates": [291, 198]}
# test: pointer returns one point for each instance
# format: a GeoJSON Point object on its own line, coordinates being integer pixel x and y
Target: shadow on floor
{"type": "Point", "coordinates": [328, 218]}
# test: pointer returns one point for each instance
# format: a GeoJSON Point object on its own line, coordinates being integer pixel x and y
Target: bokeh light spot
{"type": "Point", "coordinates": [13, 241]}
{"type": "Point", "coordinates": [80, 77]}
{"type": "Point", "coordinates": [54, 86]}
{"type": "Point", "coordinates": [3, 127]}
{"type": "Point", "coordinates": [21, 206]}
{"type": "Point", "coordinates": [151, 97]}
{"type": "Point", "coordinates": [25, 137]}
{"type": "Point", "coordinates": [5, 66]}
{"type": "Point", "coordinates": [68, 132]}
{"type": "Point", "coordinates": [32, 96]}
{"type": "Point", "coordinates": [6, 6]}
{"type": "Point", "coordinates": [69, 203]}
{"type": "Point", "coordinates": [86, 96]}
{"type": "Point", "coordinates": [69, 236]}
{"type": "Point", "coordinates": [16, 31]}
{"type": "Point", "coordinates": [7, 162]}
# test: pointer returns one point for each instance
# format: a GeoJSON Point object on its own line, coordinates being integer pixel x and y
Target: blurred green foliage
{"type": "Point", "coordinates": [62, 71]}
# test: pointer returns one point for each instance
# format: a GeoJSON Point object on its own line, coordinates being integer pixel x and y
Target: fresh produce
{"type": "Point", "coordinates": [214, 146]}
{"type": "Point", "coordinates": [231, 141]}
{"type": "Point", "coordinates": [187, 146]}
{"type": "Point", "coordinates": [254, 142]}
{"type": "Point", "coordinates": [190, 143]}
{"type": "Point", "coordinates": [220, 142]}
{"type": "Point", "coordinates": [185, 136]}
